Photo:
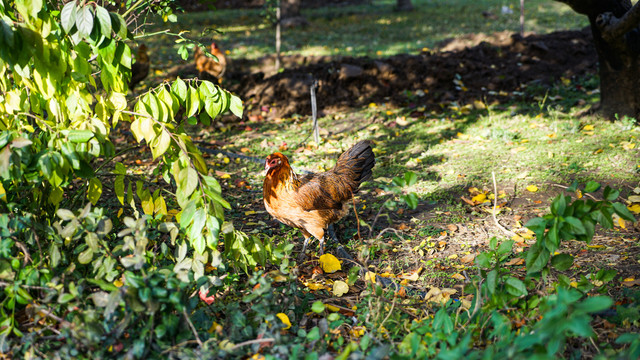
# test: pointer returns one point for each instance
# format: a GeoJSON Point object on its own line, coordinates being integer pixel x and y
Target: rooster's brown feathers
{"type": "Point", "coordinates": [140, 68]}
{"type": "Point", "coordinates": [214, 67]}
{"type": "Point", "coordinates": [312, 202]}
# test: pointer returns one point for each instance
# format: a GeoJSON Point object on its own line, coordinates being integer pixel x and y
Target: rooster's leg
{"type": "Point", "coordinates": [306, 242]}
{"type": "Point", "coordinates": [322, 245]}
{"type": "Point", "coordinates": [332, 234]}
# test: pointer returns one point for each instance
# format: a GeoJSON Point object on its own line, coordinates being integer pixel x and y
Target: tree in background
{"type": "Point", "coordinates": [404, 5]}
{"type": "Point", "coordinates": [616, 36]}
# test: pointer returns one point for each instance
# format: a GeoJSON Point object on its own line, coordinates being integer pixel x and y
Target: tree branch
{"type": "Point", "coordinates": [614, 28]}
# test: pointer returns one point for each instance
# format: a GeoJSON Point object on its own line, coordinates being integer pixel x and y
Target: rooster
{"type": "Point", "coordinates": [312, 202]}
{"type": "Point", "coordinates": [209, 65]}
{"type": "Point", "coordinates": [140, 68]}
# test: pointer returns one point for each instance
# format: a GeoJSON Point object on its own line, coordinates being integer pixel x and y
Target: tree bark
{"type": "Point", "coordinates": [616, 36]}
{"type": "Point", "coordinates": [291, 15]}
{"type": "Point", "coordinates": [404, 5]}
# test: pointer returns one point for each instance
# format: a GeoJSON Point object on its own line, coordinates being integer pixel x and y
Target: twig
{"type": "Point", "coordinates": [495, 205]}
{"type": "Point", "coordinates": [566, 187]}
{"type": "Point", "coordinates": [179, 345]}
{"type": "Point", "coordinates": [193, 328]}
{"type": "Point", "coordinates": [314, 112]}
{"type": "Point", "coordinates": [355, 210]}
{"type": "Point", "coordinates": [250, 342]}
{"type": "Point", "coordinates": [398, 233]}
{"type": "Point", "coordinates": [393, 305]}
{"type": "Point", "coordinates": [375, 219]}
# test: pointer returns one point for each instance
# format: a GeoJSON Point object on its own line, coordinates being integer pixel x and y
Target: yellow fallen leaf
{"type": "Point", "coordinates": [370, 276]}
{"type": "Point", "coordinates": [329, 263]}
{"type": "Point", "coordinates": [285, 320]}
{"type": "Point", "coordinates": [357, 331]}
{"type": "Point", "coordinates": [457, 276]}
{"type": "Point", "coordinates": [250, 212]}
{"type": "Point", "coordinates": [411, 276]}
{"type": "Point", "coordinates": [595, 246]}
{"type": "Point", "coordinates": [635, 208]}
{"type": "Point", "coordinates": [118, 283]}
{"type": "Point", "coordinates": [315, 286]}
{"type": "Point", "coordinates": [588, 127]}
{"type": "Point", "coordinates": [480, 198]}
{"type": "Point", "coordinates": [340, 288]}
{"type": "Point", "coordinates": [597, 151]}
{"type": "Point", "coordinates": [532, 188]}
{"type": "Point", "coordinates": [634, 198]}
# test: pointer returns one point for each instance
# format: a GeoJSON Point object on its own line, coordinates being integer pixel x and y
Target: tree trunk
{"type": "Point", "coordinates": [404, 5]}
{"type": "Point", "coordinates": [616, 36]}
{"type": "Point", "coordinates": [291, 15]}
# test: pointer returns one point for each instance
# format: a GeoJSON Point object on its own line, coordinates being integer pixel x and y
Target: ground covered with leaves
{"type": "Point", "coordinates": [442, 122]}
{"type": "Point", "coordinates": [501, 220]}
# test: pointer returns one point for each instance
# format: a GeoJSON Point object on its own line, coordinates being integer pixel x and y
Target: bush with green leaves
{"type": "Point", "coordinates": [64, 73]}
{"type": "Point", "coordinates": [571, 220]}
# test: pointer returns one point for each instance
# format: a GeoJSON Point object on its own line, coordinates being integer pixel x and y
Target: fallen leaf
{"type": "Point", "coordinates": [340, 288]}
{"type": "Point", "coordinates": [532, 188]}
{"type": "Point", "coordinates": [515, 261]}
{"type": "Point", "coordinates": [479, 199]}
{"type": "Point", "coordinates": [285, 320]}
{"type": "Point", "coordinates": [329, 263]}
{"type": "Point", "coordinates": [452, 227]}
{"type": "Point", "coordinates": [457, 276]}
{"type": "Point", "coordinates": [588, 128]}
{"type": "Point", "coordinates": [467, 258]}
{"type": "Point", "coordinates": [629, 282]}
{"type": "Point", "coordinates": [412, 276]}
{"type": "Point", "coordinates": [207, 299]}
{"type": "Point", "coordinates": [635, 208]}
{"type": "Point", "coordinates": [370, 276]}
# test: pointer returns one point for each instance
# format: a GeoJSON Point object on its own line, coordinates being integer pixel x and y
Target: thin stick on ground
{"type": "Point", "coordinates": [193, 328]}
{"type": "Point", "coordinates": [250, 342]}
{"type": "Point", "coordinates": [495, 206]}
{"type": "Point", "coordinates": [355, 210]}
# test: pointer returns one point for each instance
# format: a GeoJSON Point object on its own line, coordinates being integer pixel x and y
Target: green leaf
{"type": "Point", "coordinates": [119, 25]}
{"type": "Point", "coordinates": [410, 178]}
{"type": "Point", "coordinates": [442, 321]}
{"type": "Point", "coordinates": [594, 304]}
{"type": "Point", "coordinates": [623, 212]}
{"type": "Point", "coordinates": [314, 334]}
{"type": "Point", "coordinates": [505, 247]}
{"type": "Point", "coordinates": [160, 144]}
{"type": "Point", "coordinates": [515, 287]}
{"type": "Point", "coordinates": [84, 21]}
{"type": "Point", "coordinates": [86, 256]}
{"type": "Point", "coordinates": [179, 89]}
{"type": "Point", "coordinates": [95, 190]}
{"type": "Point", "coordinates": [610, 194]}
{"type": "Point", "coordinates": [68, 16]}
{"type": "Point", "coordinates": [80, 136]}
{"type": "Point", "coordinates": [317, 307]}
{"type": "Point", "coordinates": [483, 260]}
{"type": "Point", "coordinates": [492, 281]}
{"type": "Point", "coordinates": [105, 21]}
{"type": "Point", "coordinates": [236, 106]}
{"type": "Point", "coordinates": [193, 102]}
{"type": "Point", "coordinates": [118, 185]}
{"type": "Point", "coordinates": [591, 186]}
{"type": "Point", "coordinates": [575, 225]}
{"type": "Point", "coordinates": [411, 200]}
{"type": "Point", "coordinates": [562, 261]}
{"type": "Point", "coordinates": [558, 205]}
{"type": "Point", "coordinates": [537, 258]}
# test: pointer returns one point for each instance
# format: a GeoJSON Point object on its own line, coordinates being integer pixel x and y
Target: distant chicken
{"type": "Point", "coordinates": [209, 65]}
{"type": "Point", "coordinates": [140, 68]}
{"type": "Point", "coordinates": [312, 202]}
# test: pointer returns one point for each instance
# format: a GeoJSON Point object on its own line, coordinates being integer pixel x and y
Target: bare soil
{"type": "Point", "coordinates": [478, 67]}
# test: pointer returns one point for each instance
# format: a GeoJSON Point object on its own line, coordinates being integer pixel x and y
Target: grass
{"type": "Point", "coordinates": [540, 142]}
{"type": "Point", "coordinates": [374, 29]}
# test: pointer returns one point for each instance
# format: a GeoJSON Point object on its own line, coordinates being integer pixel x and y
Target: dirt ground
{"type": "Point", "coordinates": [479, 67]}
